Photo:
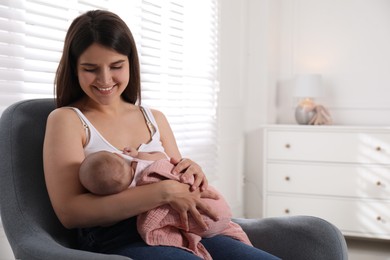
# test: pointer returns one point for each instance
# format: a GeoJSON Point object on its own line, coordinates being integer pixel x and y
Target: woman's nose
{"type": "Point", "coordinates": [104, 77]}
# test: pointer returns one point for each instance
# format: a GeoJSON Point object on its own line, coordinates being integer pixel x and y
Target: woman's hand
{"type": "Point", "coordinates": [188, 168]}
{"type": "Point", "coordinates": [185, 202]}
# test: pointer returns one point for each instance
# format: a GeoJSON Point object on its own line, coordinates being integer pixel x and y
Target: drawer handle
{"type": "Point", "coordinates": [287, 211]}
{"type": "Point", "coordinates": [287, 146]}
{"type": "Point", "coordinates": [378, 218]}
{"type": "Point", "coordinates": [287, 178]}
{"type": "Point", "coordinates": [378, 183]}
{"type": "Point", "coordinates": [378, 148]}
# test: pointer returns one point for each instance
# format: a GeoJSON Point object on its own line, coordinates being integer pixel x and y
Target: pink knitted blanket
{"type": "Point", "coordinates": [161, 226]}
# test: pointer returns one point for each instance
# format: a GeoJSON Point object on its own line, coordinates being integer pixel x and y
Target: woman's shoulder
{"type": "Point", "coordinates": [160, 119]}
{"type": "Point", "coordinates": [62, 115]}
{"type": "Point", "coordinates": [157, 114]}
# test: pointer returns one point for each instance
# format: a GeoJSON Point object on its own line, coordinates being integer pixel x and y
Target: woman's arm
{"type": "Point", "coordinates": [74, 206]}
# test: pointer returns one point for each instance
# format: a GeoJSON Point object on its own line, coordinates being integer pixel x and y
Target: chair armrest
{"type": "Point", "coordinates": [296, 237]}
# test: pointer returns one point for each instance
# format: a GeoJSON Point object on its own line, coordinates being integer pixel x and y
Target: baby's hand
{"type": "Point", "coordinates": [130, 151]}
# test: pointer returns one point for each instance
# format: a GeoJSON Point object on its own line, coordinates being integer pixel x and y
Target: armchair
{"type": "Point", "coordinates": [35, 233]}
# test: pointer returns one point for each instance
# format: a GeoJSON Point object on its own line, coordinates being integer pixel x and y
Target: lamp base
{"type": "Point", "coordinates": [303, 115]}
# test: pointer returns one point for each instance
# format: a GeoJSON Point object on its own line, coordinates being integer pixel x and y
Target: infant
{"type": "Point", "coordinates": [105, 173]}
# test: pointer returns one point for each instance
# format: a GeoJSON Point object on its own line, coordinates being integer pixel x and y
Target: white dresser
{"type": "Point", "coordinates": [341, 174]}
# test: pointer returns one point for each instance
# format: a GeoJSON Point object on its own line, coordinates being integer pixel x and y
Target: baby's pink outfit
{"type": "Point", "coordinates": [161, 226]}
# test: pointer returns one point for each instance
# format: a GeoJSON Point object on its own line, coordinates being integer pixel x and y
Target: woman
{"type": "Point", "coordinates": [98, 92]}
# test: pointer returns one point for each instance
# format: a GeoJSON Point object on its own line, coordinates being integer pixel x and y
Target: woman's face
{"type": "Point", "coordinates": [103, 73]}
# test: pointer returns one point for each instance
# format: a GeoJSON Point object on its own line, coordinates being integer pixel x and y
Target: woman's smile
{"type": "Point", "coordinates": [105, 90]}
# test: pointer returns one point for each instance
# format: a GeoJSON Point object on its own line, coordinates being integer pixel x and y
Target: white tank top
{"type": "Point", "coordinates": [96, 142]}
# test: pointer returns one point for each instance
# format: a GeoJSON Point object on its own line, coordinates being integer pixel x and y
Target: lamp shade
{"type": "Point", "coordinates": [308, 86]}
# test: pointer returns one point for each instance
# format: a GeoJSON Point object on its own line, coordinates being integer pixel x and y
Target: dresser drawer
{"type": "Point", "coordinates": [363, 181]}
{"type": "Point", "coordinates": [328, 146]}
{"type": "Point", "coordinates": [364, 218]}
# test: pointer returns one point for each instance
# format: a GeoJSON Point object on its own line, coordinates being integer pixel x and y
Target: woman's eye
{"type": "Point", "coordinates": [89, 70]}
{"type": "Point", "coordinates": [116, 68]}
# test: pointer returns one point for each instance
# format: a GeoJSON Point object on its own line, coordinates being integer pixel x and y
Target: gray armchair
{"type": "Point", "coordinates": [34, 231]}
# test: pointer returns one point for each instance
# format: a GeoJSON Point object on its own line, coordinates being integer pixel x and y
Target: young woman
{"type": "Point", "coordinates": [98, 98]}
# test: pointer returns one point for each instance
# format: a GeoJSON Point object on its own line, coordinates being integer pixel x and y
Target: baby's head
{"type": "Point", "coordinates": [105, 173]}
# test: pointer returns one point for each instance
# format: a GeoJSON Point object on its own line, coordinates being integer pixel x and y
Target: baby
{"type": "Point", "coordinates": [105, 173]}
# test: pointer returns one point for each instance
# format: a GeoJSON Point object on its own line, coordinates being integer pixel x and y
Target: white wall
{"type": "Point", "coordinates": [347, 41]}
{"type": "Point", "coordinates": [264, 43]}
{"type": "Point", "coordinates": [231, 102]}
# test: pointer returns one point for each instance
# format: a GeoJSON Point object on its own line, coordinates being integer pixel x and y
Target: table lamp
{"type": "Point", "coordinates": [306, 88]}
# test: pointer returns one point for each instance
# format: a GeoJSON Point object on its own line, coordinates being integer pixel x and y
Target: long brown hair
{"type": "Point", "coordinates": [107, 29]}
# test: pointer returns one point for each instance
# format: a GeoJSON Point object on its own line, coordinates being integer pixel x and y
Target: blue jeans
{"type": "Point", "coordinates": [123, 239]}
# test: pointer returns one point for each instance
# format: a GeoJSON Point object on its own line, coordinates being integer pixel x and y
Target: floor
{"type": "Point", "coordinates": [362, 249]}
{"type": "Point", "coordinates": [358, 249]}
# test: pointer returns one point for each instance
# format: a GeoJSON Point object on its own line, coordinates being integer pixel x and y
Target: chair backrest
{"type": "Point", "coordinates": [25, 205]}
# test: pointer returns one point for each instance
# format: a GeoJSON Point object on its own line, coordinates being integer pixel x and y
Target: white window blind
{"type": "Point", "coordinates": [177, 42]}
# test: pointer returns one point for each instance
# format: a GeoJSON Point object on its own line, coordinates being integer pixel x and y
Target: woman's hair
{"type": "Point", "coordinates": [106, 29]}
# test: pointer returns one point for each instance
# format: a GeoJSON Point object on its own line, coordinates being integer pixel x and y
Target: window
{"type": "Point", "coordinates": [177, 42]}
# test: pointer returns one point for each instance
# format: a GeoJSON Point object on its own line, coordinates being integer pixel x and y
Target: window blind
{"type": "Point", "coordinates": [177, 42]}
{"type": "Point", "coordinates": [30, 47]}
{"type": "Point", "coordinates": [179, 61]}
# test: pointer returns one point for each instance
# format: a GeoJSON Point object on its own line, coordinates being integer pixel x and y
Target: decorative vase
{"type": "Point", "coordinates": [303, 116]}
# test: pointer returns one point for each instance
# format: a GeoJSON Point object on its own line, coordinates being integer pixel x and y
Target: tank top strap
{"type": "Point", "coordinates": [85, 123]}
{"type": "Point", "coordinates": [152, 128]}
